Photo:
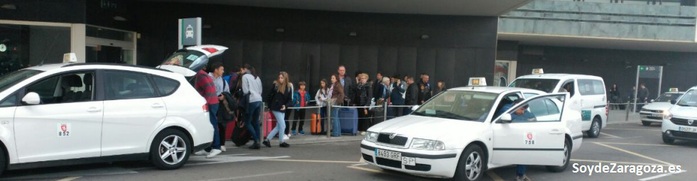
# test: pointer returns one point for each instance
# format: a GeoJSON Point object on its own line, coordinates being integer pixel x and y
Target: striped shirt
{"type": "Point", "coordinates": [205, 86]}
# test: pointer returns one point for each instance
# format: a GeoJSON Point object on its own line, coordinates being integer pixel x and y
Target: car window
{"type": "Point", "coordinates": [529, 95]}
{"type": "Point", "coordinates": [8, 80]}
{"type": "Point", "coordinates": [166, 86]}
{"type": "Point", "coordinates": [538, 107]}
{"type": "Point", "coordinates": [546, 85]}
{"type": "Point", "coordinates": [541, 109]}
{"type": "Point", "coordinates": [64, 88]}
{"type": "Point", "coordinates": [568, 87]}
{"type": "Point", "coordinates": [552, 108]}
{"type": "Point", "coordinates": [591, 87]}
{"type": "Point", "coordinates": [462, 105]}
{"type": "Point", "coordinates": [689, 99]}
{"type": "Point", "coordinates": [127, 85]}
{"type": "Point", "coordinates": [667, 97]}
{"type": "Point", "coordinates": [9, 101]}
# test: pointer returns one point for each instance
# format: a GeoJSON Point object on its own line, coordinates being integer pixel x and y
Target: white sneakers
{"type": "Point", "coordinates": [287, 137]}
{"type": "Point", "coordinates": [214, 153]}
{"type": "Point", "coordinates": [222, 148]}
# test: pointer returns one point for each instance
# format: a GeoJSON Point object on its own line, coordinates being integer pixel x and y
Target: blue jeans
{"type": "Point", "coordinates": [323, 116]}
{"type": "Point", "coordinates": [212, 109]}
{"type": "Point", "coordinates": [336, 123]}
{"type": "Point", "coordinates": [252, 120]}
{"type": "Point", "coordinates": [280, 126]}
{"type": "Point", "coordinates": [520, 170]}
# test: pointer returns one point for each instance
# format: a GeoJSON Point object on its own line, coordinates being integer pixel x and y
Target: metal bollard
{"type": "Point", "coordinates": [328, 123]}
{"type": "Point", "coordinates": [384, 112]}
{"type": "Point", "coordinates": [626, 118]}
{"type": "Point", "coordinates": [263, 120]}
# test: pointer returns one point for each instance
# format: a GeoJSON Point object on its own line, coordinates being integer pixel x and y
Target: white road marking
{"type": "Point", "coordinates": [249, 176]}
{"type": "Point", "coordinates": [613, 136]}
{"type": "Point", "coordinates": [662, 175]}
{"type": "Point", "coordinates": [312, 161]}
{"type": "Point", "coordinates": [635, 144]}
{"type": "Point", "coordinates": [618, 162]}
{"type": "Point", "coordinates": [633, 153]}
{"type": "Point", "coordinates": [228, 159]}
{"type": "Point", "coordinates": [68, 179]}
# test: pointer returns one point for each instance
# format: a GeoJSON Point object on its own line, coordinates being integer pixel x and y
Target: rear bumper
{"type": "Point", "coordinates": [201, 147]}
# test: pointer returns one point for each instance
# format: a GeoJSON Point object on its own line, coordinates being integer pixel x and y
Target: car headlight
{"type": "Point", "coordinates": [667, 115]}
{"type": "Point", "coordinates": [426, 144]}
{"type": "Point", "coordinates": [371, 136]}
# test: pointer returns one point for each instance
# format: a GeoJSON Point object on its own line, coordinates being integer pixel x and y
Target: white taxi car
{"type": "Point", "coordinates": [465, 131]}
{"type": "Point", "coordinates": [653, 112]}
{"type": "Point", "coordinates": [74, 113]}
{"type": "Point", "coordinates": [679, 121]}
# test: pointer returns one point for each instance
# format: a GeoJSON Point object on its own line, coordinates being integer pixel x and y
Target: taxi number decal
{"type": "Point", "coordinates": [64, 129]}
{"type": "Point", "coordinates": [529, 138]}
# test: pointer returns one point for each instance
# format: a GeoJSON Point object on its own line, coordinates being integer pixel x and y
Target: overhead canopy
{"type": "Point", "coordinates": [427, 7]}
{"type": "Point", "coordinates": [600, 42]}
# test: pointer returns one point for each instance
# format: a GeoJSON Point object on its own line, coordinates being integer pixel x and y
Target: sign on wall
{"type": "Point", "coordinates": [189, 32]}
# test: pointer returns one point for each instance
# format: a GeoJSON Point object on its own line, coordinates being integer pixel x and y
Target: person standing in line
{"type": "Point", "coordinates": [396, 97]}
{"type": "Point", "coordinates": [643, 96]}
{"type": "Point", "coordinates": [322, 96]}
{"type": "Point", "coordinates": [252, 89]}
{"type": "Point", "coordinates": [302, 98]}
{"type": "Point", "coordinates": [376, 86]}
{"type": "Point", "coordinates": [426, 92]}
{"type": "Point", "coordinates": [220, 86]}
{"type": "Point", "coordinates": [412, 94]}
{"type": "Point", "coordinates": [337, 98]}
{"type": "Point", "coordinates": [363, 95]}
{"type": "Point", "coordinates": [279, 100]}
{"type": "Point", "coordinates": [440, 87]}
{"type": "Point", "coordinates": [205, 86]}
{"type": "Point", "coordinates": [614, 96]}
{"type": "Point", "coordinates": [347, 85]}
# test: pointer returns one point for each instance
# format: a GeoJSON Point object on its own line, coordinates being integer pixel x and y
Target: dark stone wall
{"type": "Point", "coordinates": [65, 11]}
{"type": "Point", "coordinates": [615, 66]}
{"type": "Point", "coordinates": [314, 43]}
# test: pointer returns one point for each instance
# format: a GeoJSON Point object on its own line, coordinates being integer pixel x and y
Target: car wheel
{"type": "Point", "coordinates": [3, 161]}
{"type": "Point", "coordinates": [667, 139]}
{"type": "Point", "coordinates": [567, 157]}
{"type": "Point", "coordinates": [471, 165]}
{"type": "Point", "coordinates": [170, 149]}
{"type": "Point", "coordinates": [646, 123]}
{"type": "Point", "coordinates": [595, 128]}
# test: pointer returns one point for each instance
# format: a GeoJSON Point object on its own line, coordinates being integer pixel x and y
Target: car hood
{"type": "Point", "coordinates": [684, 112]}
{"type": "Point", "coordinates": [658, 106]}
{"type": "Point", "coordinates": [428, 127]}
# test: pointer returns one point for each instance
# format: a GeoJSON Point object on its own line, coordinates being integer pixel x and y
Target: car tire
{"type": "Point", "coordinates": [473, 156]}
{"type": "Point", "coordinates": [3, 161]}
{"type": "Point", "coordinates": [668, 140]}
{"type": "Point", "coordinates": [594, 131]}
{"type": "Point", "coordinates": [646, 123]}
{"type": "Point", "coordinates": [567, 158]}
{"type": "Point", "coordinates": [168, 144]}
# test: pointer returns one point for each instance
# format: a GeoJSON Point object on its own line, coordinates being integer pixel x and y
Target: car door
{"type": "Point", "coordinates": [132, 112]}
{"type": "Point", "coordinates": [67, 124]}
{"type": "Point", "coordinates": [538, 141]}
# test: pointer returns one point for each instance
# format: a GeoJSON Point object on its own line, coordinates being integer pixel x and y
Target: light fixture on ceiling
{"type": "Point", "coordinates": [423, 37]}
{"type": "Point", "coordinates": [280, 30]}
{"type": "Point", "coordinates": [120, 18]}
{"type": "Point", "coordinates": [353, 33]}
{"type": "Point", "coordinates": [9, 6]}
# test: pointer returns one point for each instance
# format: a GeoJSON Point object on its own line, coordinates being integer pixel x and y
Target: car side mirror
{"type": "Point", "coordinates": [32, 98]}
{"type": "Point", "coordinates": [506, 118]}
{"type": "Point", "coordinates": [414, 108]}
{"type": "Point", "coordinates": [673, 101]}
{"type": "Point", "coordinates": [651, 100]}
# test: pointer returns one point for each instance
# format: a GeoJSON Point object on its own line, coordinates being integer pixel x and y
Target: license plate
{"type": "Point", "coordinates": [410, 161]}
{"type": "Point", "coordinates": [392, 155]}
{"type": "Point", "coordinates": [688, 129]}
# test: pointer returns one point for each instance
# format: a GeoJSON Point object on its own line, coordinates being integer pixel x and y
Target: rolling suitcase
{"type": "Point", "coordinates": [269, 123]}
{"type": "Point", "coordinates": [315, 124]}
{"type": "Point", "coordinates": [349, 120]}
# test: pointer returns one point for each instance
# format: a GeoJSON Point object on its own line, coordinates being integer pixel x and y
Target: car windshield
{"type": "Point", "coordinates": [8, 80]}
{"type": "Point", "coordinates": [667, 97]}
{"type": "Point", "coordinates": [457, 104]}
{"type": "Point", "coordinates": [186, 58]}
{"type": "Point", "coordinates": [546, 85]}
{"type": "Point", "coordinates": [689, 99]}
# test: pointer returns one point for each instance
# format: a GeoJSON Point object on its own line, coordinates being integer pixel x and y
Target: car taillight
{"type": "Point", "coordinates": [607, 110]}
{"type": "Point", "coordinates": [205, 107]}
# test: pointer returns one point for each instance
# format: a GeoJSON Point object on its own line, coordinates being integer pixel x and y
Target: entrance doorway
{"type": "Point", "coordinates": [110, 45]}
{"type": "Point", "coordinates": [504, 72]}
{"type": "Point", "coordinates": [107, 54]}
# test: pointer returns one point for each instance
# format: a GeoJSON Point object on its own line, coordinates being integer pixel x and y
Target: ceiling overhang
{"type": "Point", "coordinates": [425, 7]}
{"type": "Point", "coordinates": [600, 42]}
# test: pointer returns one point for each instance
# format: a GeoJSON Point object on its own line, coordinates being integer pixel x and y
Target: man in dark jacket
{"type": "Point", "coordinates": [412, 94]}
{"type": "Point", "coordinates": [396, 96]}
{"type": "Point", "coordinates": [427, 93]}
{"type": "Point", "coordinates": [347, 83]}
{"type": "Point", "coordinates": [364, 92]}
{"type": "Point", "coordinates": [376, 86]}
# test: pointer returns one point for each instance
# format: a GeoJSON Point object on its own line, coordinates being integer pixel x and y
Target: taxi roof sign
{"type": "Point", "coordinates": [673, 89]}
{"type": "Point", "coordinates": [69, 58]}
{"type": "Point", "coordinates": [538, 71]}
{"type": "Point", "coordinates": [477, 81]}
